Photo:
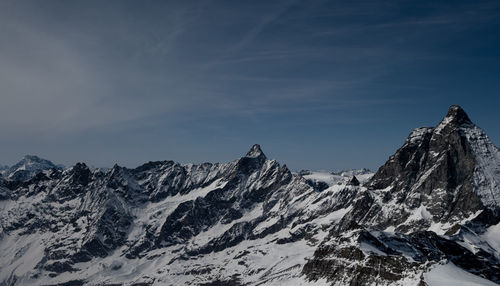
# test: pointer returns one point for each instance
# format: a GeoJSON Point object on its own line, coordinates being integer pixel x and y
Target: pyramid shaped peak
{"type": "Point", "coordinates": [353, 181]}
{"type": "Point", "coordinates": [33, 161]}
{"type": "Point", "coordinates": [255, 152]}
{"type": "Point", "coordinates": [457, 115]}
{"type": "Point", "coordinates": [35, 158]}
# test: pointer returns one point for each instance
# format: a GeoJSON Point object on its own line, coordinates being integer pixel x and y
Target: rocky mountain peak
{"type": "Point", "coordinates": [255, 152]}
{"type": "Point", "coordinates": [353, 181]}
{"type": "Point", "coordinates": [28, 167]}
{"type": "Point", "coordinates": [455, 116]}
{"type": "Point", "coordinates": [31, 157]}
{"type": "Point", "coordinates": [33, 160]}
{"type": "Point", "coordinates": [252, 161]}
{"type": "Point", "coordinates": [448, 171]}
{"type": "Point", "coordinates": [80, 174]}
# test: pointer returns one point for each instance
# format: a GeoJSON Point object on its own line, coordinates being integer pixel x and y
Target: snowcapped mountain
{"type": "Point", "coordinates": [435, 200]}
{"type": "Point", "coordinates": [27, 168]}
{"type": "Point", "coordinates": [430, 215]}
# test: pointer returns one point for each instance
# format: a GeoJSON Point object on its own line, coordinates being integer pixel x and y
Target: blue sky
{"type": "Point", "coordinates": [319, 84]}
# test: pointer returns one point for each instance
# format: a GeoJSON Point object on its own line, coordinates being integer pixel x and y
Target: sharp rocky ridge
{"type": "Point", "coordinates": [432, 209]}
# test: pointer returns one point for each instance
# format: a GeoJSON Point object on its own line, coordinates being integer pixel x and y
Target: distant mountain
{"type": "Point", "coordinates": [429, 216]}
{"type": "Point", "coordinates": [28, 167]}
{"type": "Point", "coordinates": [321, 180]}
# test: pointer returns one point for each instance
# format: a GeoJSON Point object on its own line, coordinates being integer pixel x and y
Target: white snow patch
{"type": "Point", "coordinates": [219, 229]}
{"type": "Point", "coordinates": [370, 249]}
{"type": "Point", "coordinates": [333, 216]}
{"type": "Point", "coordinates": [492, 237]}
{"type": "Point", "coordinates": [421, 213]}
{"type": "Point", "coordinates": [417, 134]}
{"type": "Point", "coordinates": [390, 229]}
{"type": "Point", "coordinates": [332, 179]}
{"type": "Point", "coordinates": [441, 228]}
{"type": "Point", "coordinates": [443, 124]}
{"type": "Point", "coordinates": [326, 177]}
{"type": "Point", "coordinates": [155, 213]}
{"type": "Point", "coordinates": [300, 281]}
{"type": "Point", "coordinates": [449, 274]}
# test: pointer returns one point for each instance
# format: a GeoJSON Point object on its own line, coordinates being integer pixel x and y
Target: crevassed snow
{"type": "Point", "coordinates": [450, 274]}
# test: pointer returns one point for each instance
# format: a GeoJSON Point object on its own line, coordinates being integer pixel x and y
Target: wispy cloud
{"type": "Point", "coordinates": [62, 81]}
{"type": "Point", "coordinates": [98, 71]}
{"type": "Point", "coordinates": [268, 18]}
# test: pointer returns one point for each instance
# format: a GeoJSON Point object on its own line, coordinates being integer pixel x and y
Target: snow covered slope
{"type": "Point", "coordinates": [430, 214]}
{"type": "Point", "coordinates": [27, 168]}
{"type": "Point", "coordinates": [323, 179]}
{"type": "Point", "coordinates": [450, 274]}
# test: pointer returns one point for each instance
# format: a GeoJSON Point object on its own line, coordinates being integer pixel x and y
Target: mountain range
{"type": "Point", "coordinates": [429, 216]}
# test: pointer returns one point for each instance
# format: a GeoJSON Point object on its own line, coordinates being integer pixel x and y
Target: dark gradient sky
{"type": "Point", "coordinates": [319, 84]}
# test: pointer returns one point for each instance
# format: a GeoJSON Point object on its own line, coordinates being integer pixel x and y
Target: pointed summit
{"type": "Point", "coordinates": [28, 167]}
{"type": "Point", "coordinates": [252, 161]}
{"type": "Point", "coordinates": [255, 152]}
{"type": "Point", "coordinates": [353, 181]}
{"type": "Point", "coordinates": [31, 157]}
{"type": "Point", "coordinates": [457, 115]}
{"type": "Point", "coordinates": [80, 174]}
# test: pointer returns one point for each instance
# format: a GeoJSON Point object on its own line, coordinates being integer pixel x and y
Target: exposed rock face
{"type": "Point", "coordinates": [435, 172]}
{"type": "Point", "coordinates": [354, 181]}
{"type": "Point", "coordinates": [252, 221]}
{"type": "Point", "coordinates": [430, 185]}
{"type": "Point", "coordinates": [362, 257]}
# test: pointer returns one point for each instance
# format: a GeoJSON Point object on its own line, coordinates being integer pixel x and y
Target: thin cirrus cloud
{"type": "Point", "coordinates": [210, 78]}
{"type": "Point", "coordinates": [55, 81]}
